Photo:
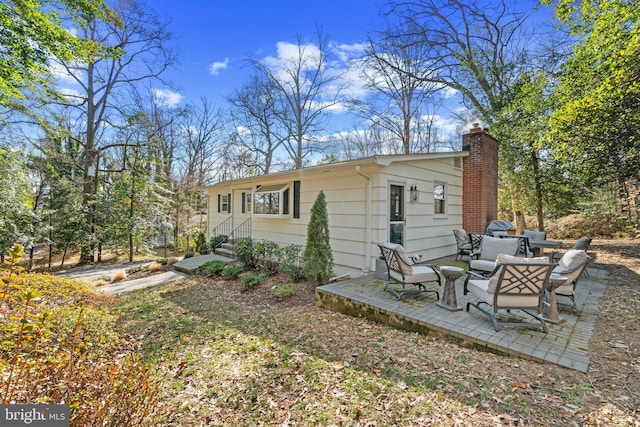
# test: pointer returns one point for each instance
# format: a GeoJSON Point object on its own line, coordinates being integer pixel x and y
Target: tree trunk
{"type": "Point", "coordinates": [538, 185]}
{"type": "Point", "coordinates": [521, 223]}
{"type": "Point", "coordinates": [30, 259]}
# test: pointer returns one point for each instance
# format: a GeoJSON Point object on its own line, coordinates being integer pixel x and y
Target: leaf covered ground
{"type": "Point", "coordinates": [248, 358]}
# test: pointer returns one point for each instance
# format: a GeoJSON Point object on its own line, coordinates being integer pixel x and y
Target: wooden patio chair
{"type": "Point", "coordinates": [401, 269]}
{"type": "Point", "coordinates": [515, 284]}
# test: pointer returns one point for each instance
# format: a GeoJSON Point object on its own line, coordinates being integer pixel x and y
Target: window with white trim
{"type": "Point", "coordinates": [439, 199]}
{"type": "Point", "coordinates": [271, 200]}
{"type": "Point", "coordinates": [224, 203]}
{"type": "Point", "coordinates": [249, 203]}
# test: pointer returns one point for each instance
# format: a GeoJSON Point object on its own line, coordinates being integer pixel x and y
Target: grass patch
{"type": "Point", "coordinates": [266, 366]}
{"type": "Point", "coordinates": [213, 268]}
{"type": "Point", "coordinates": [285, 290]}
{"type": "Point", "coordinates": [250, 281]}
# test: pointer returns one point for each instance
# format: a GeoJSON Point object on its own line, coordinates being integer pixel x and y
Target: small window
{"type": "Point", "coordinates": [248, 202]}
{"type": "Point", "coordinates": [271, 200]}
{"type": "Point", "coordinates": [224, 203]}
{"type": "Point", "coordinates": [439, 199]}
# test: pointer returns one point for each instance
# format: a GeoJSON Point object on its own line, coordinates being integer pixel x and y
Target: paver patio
{"type": "Point", "coordinates": [566, 344]}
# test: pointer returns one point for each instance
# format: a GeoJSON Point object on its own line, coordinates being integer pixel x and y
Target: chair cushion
{"type": "Point", "coordinates": [482, 265]}
{"type": "Point", "coordinates": [572, 260]}
{"type": "Point", "coordinates": [582, 243]}
{"type": "Point", "coordinates": [510, 259]}
{"type": "Point", "coordinates": [405, 265]}
{"type": "Point", "coordinates": [535, 235]}
{"type": "Point", "coordinates": [480, 289]}
{"type": "Point", "coordinates": [421, 273]}
{"type": "Point", "coordinates": [493, 246]}
{"type": "Point", "coordinates": [565, 289]}
{"type": "Point", "coordinates": [461, 235]}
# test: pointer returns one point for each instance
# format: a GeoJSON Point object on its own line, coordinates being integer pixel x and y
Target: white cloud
{"type": "Point", "coordinates": [215, 68]}
{"type": "Point", "coordinates": [62, 75]}
{"type": "Point", "coordinates": [449, 92]}
{"type": "Point", "coordinates": [71, 94]}
{"type": "Point", "coordinates": [167, 97]}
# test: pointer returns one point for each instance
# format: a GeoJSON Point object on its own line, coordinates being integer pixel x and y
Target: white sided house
{"type": "Point", "coordinates": [415, 200]}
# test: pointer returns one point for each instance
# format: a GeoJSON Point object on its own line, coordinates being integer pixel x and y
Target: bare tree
{"type": "Point", "coordinates": [257, 128]}
{"type": "Point", "coordinates": [398, 72]}
{"type": "Point", "coordinates": [362, 143]}
{"type": "Point", "coordinates": [203, 143]}
{"type": "Point", "coordinates": [476, 48]}
{"type": "Point", "coordinates": [137, 41]}
{"type": "Point", "coordinates": [306, 91]}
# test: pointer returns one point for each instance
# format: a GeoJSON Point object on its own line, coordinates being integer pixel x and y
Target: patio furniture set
{"type": "Point", "coordinates": [505, 273]}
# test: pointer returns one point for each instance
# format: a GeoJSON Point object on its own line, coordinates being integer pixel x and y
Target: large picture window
{"type": "Point", "coordinates": [271, 200]}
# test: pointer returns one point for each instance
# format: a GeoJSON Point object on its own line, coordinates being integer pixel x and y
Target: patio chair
{"type": "Point", "coordinates": [483, 262]}
{"type": "Point", "coordinates": [535, 235]}
{"type": "Point", "coordinates": [404, 271]}
{"type": "Point", "coordinates": [523, 244]}
{"type": "Point", "coordinates": [515, 284]}
{"type": "Point", "coordinates": [572, 265]}
{"type": "Point", "coordinates": [476, 241]}
{"type": "Point", "coordinates": [582, 243]}
{"type": "Point", "coordinates": [463, 243]}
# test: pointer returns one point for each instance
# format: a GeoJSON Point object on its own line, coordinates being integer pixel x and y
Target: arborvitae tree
{"type": "Point", "coordinates": [317, 258]}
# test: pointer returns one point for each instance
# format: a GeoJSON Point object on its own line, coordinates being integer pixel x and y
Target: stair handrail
{"type": "Point", "coordinates": [224, 228]}
{"type": "Point", "coordinates": [243, 231]}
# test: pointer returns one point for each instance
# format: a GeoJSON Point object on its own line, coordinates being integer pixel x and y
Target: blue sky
{"type": "Point", "coordinates": [215, 37]}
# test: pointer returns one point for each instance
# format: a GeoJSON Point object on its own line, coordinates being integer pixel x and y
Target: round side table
{"type": "Point", "coordinates": [449, 301]}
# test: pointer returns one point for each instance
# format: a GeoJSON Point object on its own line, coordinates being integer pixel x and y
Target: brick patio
{"type": "Point", "coordinates": [566, 344]}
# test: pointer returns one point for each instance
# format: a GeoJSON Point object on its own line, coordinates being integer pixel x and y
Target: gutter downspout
{"type": "Point", "coordinates": [366, 268]}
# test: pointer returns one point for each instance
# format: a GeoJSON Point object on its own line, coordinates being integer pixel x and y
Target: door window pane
{"type": "Point", "coordinates": [396, 203]}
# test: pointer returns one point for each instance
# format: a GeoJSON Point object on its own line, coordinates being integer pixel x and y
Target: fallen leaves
{"type": "Point", "coordinates": [253, 359]}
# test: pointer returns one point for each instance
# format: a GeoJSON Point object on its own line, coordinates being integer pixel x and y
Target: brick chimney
{"type": "Point", "coordinates": [480, 180]}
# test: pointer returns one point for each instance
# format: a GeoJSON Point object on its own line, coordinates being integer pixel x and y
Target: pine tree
{"type": "Point", "coordinates": [317, 257]}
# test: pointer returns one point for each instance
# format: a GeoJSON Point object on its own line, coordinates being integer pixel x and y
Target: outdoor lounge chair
{"type": "Point", "coordinates": [515, 284]}
{"type": "Point", "coordinates": [463, 242]}
{"type": "Point", "coordinates": [476, 241]}
{"type": "Point", "coordinates": [582, 243]}
{"type": "Point", "coordinates": [572, 264]}
{"type": "Point", "coordinates": [535, 235]}
{"type": "Point", "coordinates": [523, 244]}
{"type": "Point", "coordinates": [401, 269]}
{"type": "Point", "coordinates": [483, 262]}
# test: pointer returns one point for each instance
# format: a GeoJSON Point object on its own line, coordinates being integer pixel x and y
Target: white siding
{"type": "Point", "coordinates": [346, 192]}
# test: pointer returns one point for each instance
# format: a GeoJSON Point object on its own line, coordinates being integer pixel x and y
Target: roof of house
{"type": "Point", "coordinates": [380, 160]}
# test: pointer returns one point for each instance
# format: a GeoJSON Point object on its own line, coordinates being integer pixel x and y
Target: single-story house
{"type": "Point", "coordinates": [415, 200]}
